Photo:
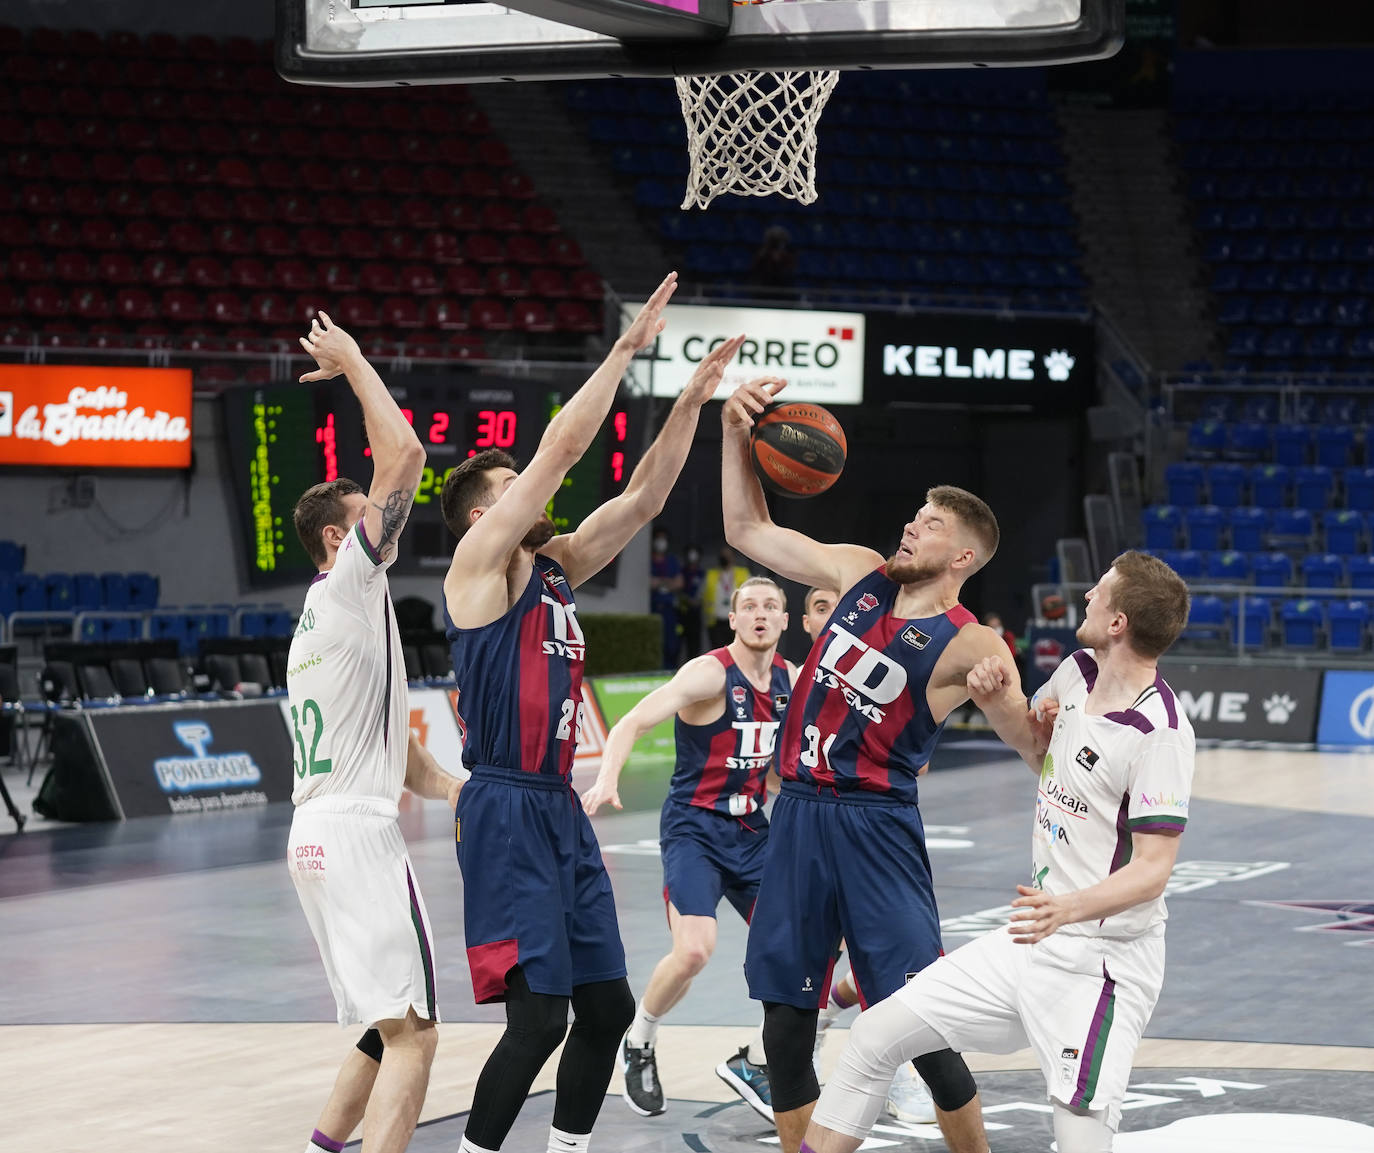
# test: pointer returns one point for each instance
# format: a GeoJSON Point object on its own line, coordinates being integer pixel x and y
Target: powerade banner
{"type": "Point", "coordinates": [1248, 702]}
{"type": "Point", "coordinates": [202, 758]}
{"type": "Point", "coordinates": [1347, 715]}
{"type": "Point", "coordinates": [937, 358]}
{"type": "Point", "coordinates": [616, 696]}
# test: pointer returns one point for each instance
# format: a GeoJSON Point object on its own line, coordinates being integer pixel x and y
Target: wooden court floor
{"type": "Point", "coordinates": [175, 1002]}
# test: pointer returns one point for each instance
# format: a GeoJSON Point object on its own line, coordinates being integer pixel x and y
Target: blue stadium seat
{"type": "Point", "coordinates": [1359, 489]}
{"type": "Point", "coordinates": [11, 556]}
{"type": "Point", "coordinates": [87, 595]}
{"type": "Point", "coordinates": [143, 590]}
{"type": "Point", "coordinates": [9, 598]}
{"type": "Point", "coordinates": [1292, 527]}
{"type": "Point", "coordinates": [1226, 484]}
{"type": "Point", "coordinates": [1272, 570]}
{"type": "Point", "coordinates": [1321, 571]}
{"type": "Point", "coordinates": [1347, 625]}
{"type": "Point", "coordinates": [1188, 563]}
{"type": "Point", "coordinates": [1251, 622]}
{"type": "Point", "coordinates": [1249, 525]}
{"type": "Point", "coordinates": [1183, 480]}
{"type": "Point", "coordinates": [1292, 444]}
{"type": "Point", "coordinates": [1269, 485]}
{"type": "Point", "coordinates": [60, 592]}
{"type": "Point", "coordinates": [1335, 445]}
{"type": "Point", "coordinates": [1342, 530]}
{"type": "Point", "coordinates": [1361, 571]}
{"type": "Point", "coordinates": [1162, 523]}
{"type": "Point", "coordinates": [114, 591]}
{"type": "Point", "coordinates": [1302, 623]}
{"type": "Point", "coordinates": [1229, 567]}
{"type": "Point", "coordinates": [1313, 486]}
{"type": "Point", "coordinates": [252, 623]}
{"type": "Point", "coordinates": [280, 621]}
{"type": "Point", "coordinates": [30, 592]}
{"type": "Point", "coordinates": [1249, 440]}
{"type": "Point", "coordinates": [1206, 439]}
{"type": "Point", "coordinates": [1208, 617]}
{"type": "Point", "coordinates": [1203, 523]}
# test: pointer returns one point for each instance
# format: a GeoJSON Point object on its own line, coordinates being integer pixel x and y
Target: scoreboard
{"type": "Point", "coordinates": [284, 438]}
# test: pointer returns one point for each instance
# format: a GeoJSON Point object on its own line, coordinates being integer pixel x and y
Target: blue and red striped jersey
{"type": "Point", "coordinates": [859, 719]}
{"type": "Point", "coordinates": [729, 757]}
{"type": "Point", "coordinates": [520, 680]}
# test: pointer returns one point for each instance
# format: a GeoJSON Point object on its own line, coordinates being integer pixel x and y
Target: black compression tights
{"type": "Point", "coordinates": [535, 1024]}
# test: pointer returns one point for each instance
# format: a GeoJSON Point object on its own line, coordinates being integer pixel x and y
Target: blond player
{"type": "Point", "coordinates": [1078, 971]}
{"type": "Point", "coordinates": [353, 753]}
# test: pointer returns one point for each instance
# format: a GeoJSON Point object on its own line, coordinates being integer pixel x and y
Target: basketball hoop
{"type": "Point", "coordinates": [753, 133]}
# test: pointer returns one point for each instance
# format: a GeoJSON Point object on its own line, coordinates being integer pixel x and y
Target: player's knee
{"type": "Point", "coordinates": [370, 1044]}
{"type": "Point", "coordinates": [789, 1035]}
{"type": "Point", "coordinates": [1081, 1130]}
{"type": "Point", "coordinates": [948, 1078]}
{"type": "Point", "coordinates": [604, 1009]}
{"type": "Point", "coordinates": [693, 955]}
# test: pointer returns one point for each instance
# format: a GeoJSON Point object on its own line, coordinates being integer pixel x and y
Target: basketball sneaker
{"type": "Point", "coordinates": [750, 1081]}
{"type": "Point", "coordinates": [909, 1100]}
{"type": "Point", "coordinates": [643, 1093]}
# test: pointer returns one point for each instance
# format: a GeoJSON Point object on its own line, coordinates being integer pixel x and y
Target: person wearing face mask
{"type": "Point", "coordinates": [689, 603]}
{"type": "Point", "coordinates": [665, 582]}
{"type": "Point", "coordinates": [721, 583]}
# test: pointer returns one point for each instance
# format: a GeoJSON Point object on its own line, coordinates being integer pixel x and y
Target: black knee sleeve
{"type": "Point", "coordinates": [950, 1083]}
{"type": "Point", "coordinates": [370, 1044]}
{"type": "Point", "coordinates": [603, 1010]}
{"type": "Point", "coordinates": [535, 1022]}
{"type": "Point", "coordinates": [789, 1037]}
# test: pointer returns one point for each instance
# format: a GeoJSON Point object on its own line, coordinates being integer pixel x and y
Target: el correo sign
{"type": "Point", "coordinates": [819, 354]}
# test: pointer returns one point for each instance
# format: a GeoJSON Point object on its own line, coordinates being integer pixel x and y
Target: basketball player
{"type": "Point", "coordinates": [1078, 971]}
{"type": "Point", "coordinates": [729, 704]}
{"type": "Point", "coordinates": [538, 911]}
{"type": "Point", "coordinates": [846, 857]}
{"type": "Point", "coordinates": [346, 683]}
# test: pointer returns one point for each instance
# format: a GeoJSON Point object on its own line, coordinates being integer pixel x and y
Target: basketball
{"type": "Point", "coordinates": [798, 449]}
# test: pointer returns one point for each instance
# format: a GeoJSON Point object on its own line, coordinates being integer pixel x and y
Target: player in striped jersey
{"type": "Point", "coordinates": [728, 705]}
{"type": "Point", "coordinates": [846, 856]}
{"type": "Point", "coordinates": [354, 751]}
{"type": "Point", "coordinates": [1077, 973]}
{"type": "Point", "coordinates": [538, 911]}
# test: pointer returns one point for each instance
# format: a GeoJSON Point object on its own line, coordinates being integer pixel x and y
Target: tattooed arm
{"type": "Point", "coordinates": [398, 457]}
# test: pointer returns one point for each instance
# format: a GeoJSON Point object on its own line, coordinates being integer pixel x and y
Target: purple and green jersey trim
{"type": "Point", "coordinates": [372, 554]}
{"type": "Point", "coordinates": [1095, 1044]}
{"type": "Point", "coordinates": [423, 937]}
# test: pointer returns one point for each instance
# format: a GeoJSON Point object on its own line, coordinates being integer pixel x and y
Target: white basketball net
{"type": "Point", "coordinates": [753, 133]}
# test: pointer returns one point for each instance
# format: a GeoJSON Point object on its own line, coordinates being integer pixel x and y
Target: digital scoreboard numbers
{"type": "Point", "coordinates": [284, 439]}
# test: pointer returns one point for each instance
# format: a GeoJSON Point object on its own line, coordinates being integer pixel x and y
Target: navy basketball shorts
{"type": "Point", "coordinates": [535, 891]}
{"type": "Point", "coordinates": [852, 868]}
{"type": "Point", "coordinates": [708, 855]}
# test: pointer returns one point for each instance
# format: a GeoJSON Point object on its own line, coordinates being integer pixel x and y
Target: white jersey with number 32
{"type": "Point", "coordinates": [346, 681]}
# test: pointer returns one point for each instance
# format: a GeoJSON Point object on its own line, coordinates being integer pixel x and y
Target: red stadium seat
{"type": "Point", "coordinates": [380, 278]}
{"type": "Point", "coordinates": [15, 231]}
{"type": "Point", "coordinates": [90, 303]}
{"type": "Point", "coordinates": [10, 302]}
{"type": "Point", "coordinates": [507, 282]}
{"type": "Point", "coordinates": [29, 264]}
{"type": "Point", "coordinates": [211, 204]}
{"type": "Point", "coordinates": [303, 309]}
{"type": "Point", "coordinates": [135, 304]}
{"type": "Point", "coordinates": [417, 212]}
{"type": "Point", "coordinates": [461, 216]}
{"type": "Point", "coordinates": [564, 252]}
{"type": "Point", "coordinates": [57, 232]}
{"type": "Point", "coordinates": [315, 175]}
{"type": "Point", "coordinates": [45, 301]}
{"type": "Point", "coordinates": [188, 236]}
{"type": "Point", "coordinates": [484, 248]}
{"type": "Point", "coordinates": [148, 168]}
{"type": "Point", "coordinates": [235, 172]}
{"type": "Point", "coordinates": [455, 151]}
{"type": "Point", "coordinates": [539, 218]}
{"type": "Point", "coordinates": [438, 182]}
{"type": "Point", "coordinates": [401, 244]}
{"type": "Point", "coordinates": [276, 173]}
{"type": "Point", "coordinates": [379, 211]}
{"type": "Point", "coordinates": [478, 182]}
{"type": "Point", "coordinates": [135, 135]}
{"type": "Point", "coordinates": [525, 249]}
{"type": "Point", "coordinates": [100, 234]}
{"type": "Point", "coordinates": [83, 200]}
{"type": "Point", "coordinates": [419, 280]}
{"type": "Point", "coordinates": [249, 272]}
{"type": "Point", "coordinates": [498, 216]}
{"type": "Point", "coordinates": [465, 280]}
{"type": "Point", "coordinates": [466, 346]}
{"type": "Point", "coordinates": [401, 312]}
{"type": "Point", "coordinates": [255, 207]}
{"type": "Point", "coordinates": [398, 180]}
{"type": "Point", "coordinates": [181, 306]}
{"type": "Point", "coordinates": [293, 275]}
{"type": "Point", "coordinates": [176, 136]}
{"type": "Point", "coordinates": [195, 170]}
{"type": "Point", "coordinates": [548, 283]}
{"type": "Point", "coordinates": [272, 240]}
{"type": "Point", "coordinates": [442, 248]}
{"type": "Point", "coordinates": [587, 285]}
{"type": "Point", "coordinates": [338, 276]}
{"type": "Point", "coordinates": [533, 316]}
{"type": "Point", "coordinates": [29, 164]}
{"type": "Point", "coordinates": [515, 185]}
{"type": "Point", "coordinates": [574, 316]}
{"type": "Point", "coordinates": [446, 315]}
{"type": "Point", "coordinates": [234, 239]}
{"type": "Point", "coordinates": [129, 200]}
{"type": "Point", "coordinates": [358, 244]}
{"type": "Point", "coordinates": [162, 271]}
{"type": "Point", "coordinates": [72, 265]}
{"type": "Point", "coordinates": [270, 308]}
{"type": "Point", "coordinates": [357, 312]}
{"type": "Point", "coordinates": [63, 334]}
{"type": "Point", "coordinates": [40, 199]}
{"type": "Point", "coordinates": [206, 272]}
{"type": "Point", "coordinates": [225, 307]}
{"type": "Point", "coordinates": [117, 268]}
{"type": "Point", "coordinates": [356, 176]}
{"type": "Point", "coordinates": [490, 315]}
{"type": "Point", "coordinates": [317, 242]}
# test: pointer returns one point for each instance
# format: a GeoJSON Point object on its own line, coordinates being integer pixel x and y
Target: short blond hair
{"type": "Point", "coordinates": [758, 580]}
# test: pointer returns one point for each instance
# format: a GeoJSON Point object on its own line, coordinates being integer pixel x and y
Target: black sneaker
{"type": "Point", "coordinates": [642, 1093]}
{"type": "Point", "coordinates": [750, 1081]}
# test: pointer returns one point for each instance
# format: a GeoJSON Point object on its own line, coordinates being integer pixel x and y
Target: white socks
{"type": "Point", "coordinates": [644, 1031]}
{"type": "Point", "coordinates": [466, 1146]}
{"type": "Point", "coordinates": [561, 1142]}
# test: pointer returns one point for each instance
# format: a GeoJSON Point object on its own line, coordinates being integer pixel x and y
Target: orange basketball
{"type": "Point", "coordinates": [798, 449]}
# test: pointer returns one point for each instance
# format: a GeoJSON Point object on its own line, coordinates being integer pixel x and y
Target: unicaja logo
{"type": "Point", "coordinates": [1362, 714]}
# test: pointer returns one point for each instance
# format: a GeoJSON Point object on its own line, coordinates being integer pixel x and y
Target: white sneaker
{"type": "Point", "coordinates": [909, 1100]}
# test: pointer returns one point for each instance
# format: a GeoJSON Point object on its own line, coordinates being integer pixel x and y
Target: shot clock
{"type": "Point", "coordinates": [284, 438]}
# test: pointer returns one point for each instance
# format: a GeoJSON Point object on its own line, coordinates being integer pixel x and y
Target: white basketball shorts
{"type": "Point", "coordinates": [1081, 1003]}
{"type": "Point", "coordinates": [355, 882]}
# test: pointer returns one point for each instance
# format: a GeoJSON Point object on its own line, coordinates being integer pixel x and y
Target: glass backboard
{"type": "Point", "coordinates": [363, 42]}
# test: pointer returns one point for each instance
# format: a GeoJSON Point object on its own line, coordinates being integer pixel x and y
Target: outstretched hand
{"type": "Point", "coordinates": [707, 377]}
{"type": "Point", "coordinates": [749, 400]}
{"type": "Point", "coordinates": [331, 347]}
{"type": "Point", "coordinates": [645, 327]}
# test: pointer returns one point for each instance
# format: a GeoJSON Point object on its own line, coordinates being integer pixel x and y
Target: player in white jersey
{"type": "Point", "coordinates": [354, 751]}
{"type": "Point", "coordinates": [1078, 970]}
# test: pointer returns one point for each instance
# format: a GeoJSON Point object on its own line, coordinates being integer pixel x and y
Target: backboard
{"type": "Point", "coordinates": [365, 42]}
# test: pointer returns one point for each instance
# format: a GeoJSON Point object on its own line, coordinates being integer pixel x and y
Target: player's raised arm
{"type": "Point", "coordinates": [993, 686]}
{"type": "Point", "coordinates": [748, 525]}
{"type": "Point", "coordinates": [699, 679]}
{"type": "Point", "coordinates": [608, 530]}
{"type": "Point", "coordinates": [398, 457]}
